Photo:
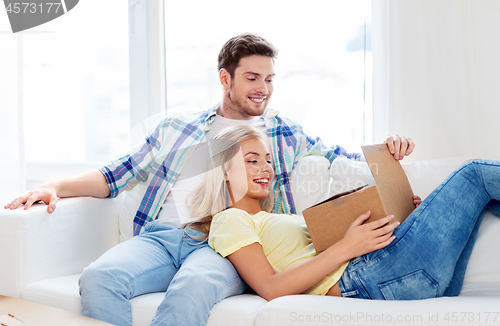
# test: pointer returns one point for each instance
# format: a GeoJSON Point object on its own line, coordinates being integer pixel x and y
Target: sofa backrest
{"type": "Point", "coordinates": [424, 176]}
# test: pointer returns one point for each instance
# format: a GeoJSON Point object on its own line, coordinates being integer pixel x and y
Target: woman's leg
{"type": "Point", "coordinates": [429, 256]}
{"type": "Point", "coordinates": [457, 279]}
{"type": "Point", "coordinates": [137, 266]}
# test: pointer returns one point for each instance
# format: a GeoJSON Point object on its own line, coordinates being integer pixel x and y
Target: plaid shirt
{"type": "Point", "coordinates": [168, 147]}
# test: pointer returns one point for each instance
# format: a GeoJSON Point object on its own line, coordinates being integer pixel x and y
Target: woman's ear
{"type": "Point", "coordinates": [226, 178]}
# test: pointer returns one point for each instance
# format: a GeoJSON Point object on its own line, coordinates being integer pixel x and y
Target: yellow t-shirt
{"type": "Point", "coordinates": [284, 239]}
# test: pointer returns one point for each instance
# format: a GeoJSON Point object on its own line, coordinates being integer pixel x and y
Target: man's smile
{"type": "Point", "coordinates": [257, 100]}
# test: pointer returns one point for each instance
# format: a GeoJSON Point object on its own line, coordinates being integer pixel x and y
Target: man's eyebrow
{"type": "Point", "coordinates": [257, 74]}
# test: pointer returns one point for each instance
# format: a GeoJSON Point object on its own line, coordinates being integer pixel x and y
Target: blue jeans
{"type": "Point", "coordinates": [429, 256]}
{"type": "Point", "coordinates": [161, 259]}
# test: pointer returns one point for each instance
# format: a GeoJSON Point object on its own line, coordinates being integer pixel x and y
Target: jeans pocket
{"type": "Point", "coordinates": [414, 286]}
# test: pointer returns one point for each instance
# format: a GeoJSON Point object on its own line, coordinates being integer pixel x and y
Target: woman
{"type": "Point", "coordinates": [424, 257]}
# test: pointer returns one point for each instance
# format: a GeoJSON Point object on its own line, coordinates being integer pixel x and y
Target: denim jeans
{"type": "Point", "coordinates": [162, 258]}
{"type": "Point", "coordinates": [429, 256]}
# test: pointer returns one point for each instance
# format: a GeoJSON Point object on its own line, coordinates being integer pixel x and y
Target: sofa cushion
{"type": "Point", "coordinates": [60, 292]}
{"type": "Point", "coordinates": [63, 293]}
{"type": "Point", "coordinates": [348, 174]}
{"type": "Point", "coordinates": [484, 265]}
{"type": "Point", "coordinates": [238, 310]}
{"type": "Point", "coordinates": [310, 182]}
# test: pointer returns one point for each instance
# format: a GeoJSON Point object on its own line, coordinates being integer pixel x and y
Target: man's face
{"type": "Point", "coordinates": [251, 87]}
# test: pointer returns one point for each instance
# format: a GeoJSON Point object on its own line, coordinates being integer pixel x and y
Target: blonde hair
{"type": "Point", "coordinates": [212, 195]}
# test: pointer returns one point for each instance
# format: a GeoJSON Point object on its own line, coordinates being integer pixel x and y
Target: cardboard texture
{"type": "Point", "coordinates": [329, 220]}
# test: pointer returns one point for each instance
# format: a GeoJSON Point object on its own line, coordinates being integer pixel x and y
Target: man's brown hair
{"type": "Point", "coordinates": [241, 46]}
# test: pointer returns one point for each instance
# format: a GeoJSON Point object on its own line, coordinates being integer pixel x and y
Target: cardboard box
{"type": "Point", "coordinates": [329, 220]}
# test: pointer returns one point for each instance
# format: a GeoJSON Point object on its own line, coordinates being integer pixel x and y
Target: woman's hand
{"type": "Point", "coordinates": [362, 238]}
{"type": "Point", "coordinates": [416, 201]}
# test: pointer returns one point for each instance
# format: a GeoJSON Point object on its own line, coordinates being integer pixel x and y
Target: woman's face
{"type": "Point", "coordinates": [250, 171]}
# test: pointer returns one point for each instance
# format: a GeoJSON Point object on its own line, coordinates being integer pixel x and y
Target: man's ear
{"type": "Point", "coordinates": [225, 78]}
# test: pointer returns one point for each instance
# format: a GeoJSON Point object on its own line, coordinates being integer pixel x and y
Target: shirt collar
{"type": "Point", "coordinates": [270, 113]}
{"type": "Point", "coordinates": [211, 115]}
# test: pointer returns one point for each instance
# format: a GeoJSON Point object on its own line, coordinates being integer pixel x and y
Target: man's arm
{"type": "Point", "coordinates": [399, 146]}
{"type": "Point", "coordinates": [121, 174]}
{"type": "Point", "coordinates": [91, 183]}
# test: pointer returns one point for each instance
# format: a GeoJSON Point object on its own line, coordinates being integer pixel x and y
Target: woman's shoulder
{"type": "Point", "coordinates": [232, 217]}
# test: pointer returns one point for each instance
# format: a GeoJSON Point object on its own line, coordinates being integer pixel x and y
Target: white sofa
{"type": "Point", "coordinates": [42, 256]}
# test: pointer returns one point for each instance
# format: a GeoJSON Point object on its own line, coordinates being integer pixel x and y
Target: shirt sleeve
{"type": "Point", "coordinates": [134, 167]}
{"type": "Point", "coordinates": [232, 230]}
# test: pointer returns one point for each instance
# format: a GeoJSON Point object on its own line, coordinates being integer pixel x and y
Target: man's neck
{"type": "Point", "coordinates": [228, 112]}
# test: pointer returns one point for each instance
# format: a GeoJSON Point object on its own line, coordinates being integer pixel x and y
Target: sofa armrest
{"type": "Point", "coordinates": [36, 245]}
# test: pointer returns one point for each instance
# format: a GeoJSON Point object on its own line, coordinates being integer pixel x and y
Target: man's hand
{"type": "Point", "coordinates": [44, 193]}
{"type": "Point", "coordinates": [92, 183]}
{"type": "Point", "coordinates": [399, 146]}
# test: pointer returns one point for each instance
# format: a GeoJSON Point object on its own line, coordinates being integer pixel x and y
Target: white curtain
{"type": "Point", "coordinates": [436, 75]}
{"type": "Point", "coordinates": [12, 164]}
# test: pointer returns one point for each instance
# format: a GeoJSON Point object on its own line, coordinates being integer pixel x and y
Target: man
{"type": "Point", "coordinates": [162, 258]}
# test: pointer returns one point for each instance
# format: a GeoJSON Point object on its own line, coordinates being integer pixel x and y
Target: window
{"type": "Point", "coordinates": [75, 89]}
{"type": "Point", "coordinates": [323, 67]}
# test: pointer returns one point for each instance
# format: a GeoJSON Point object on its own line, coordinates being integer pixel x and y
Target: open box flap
{"type": "Point", "coordinates": [393, 185]}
